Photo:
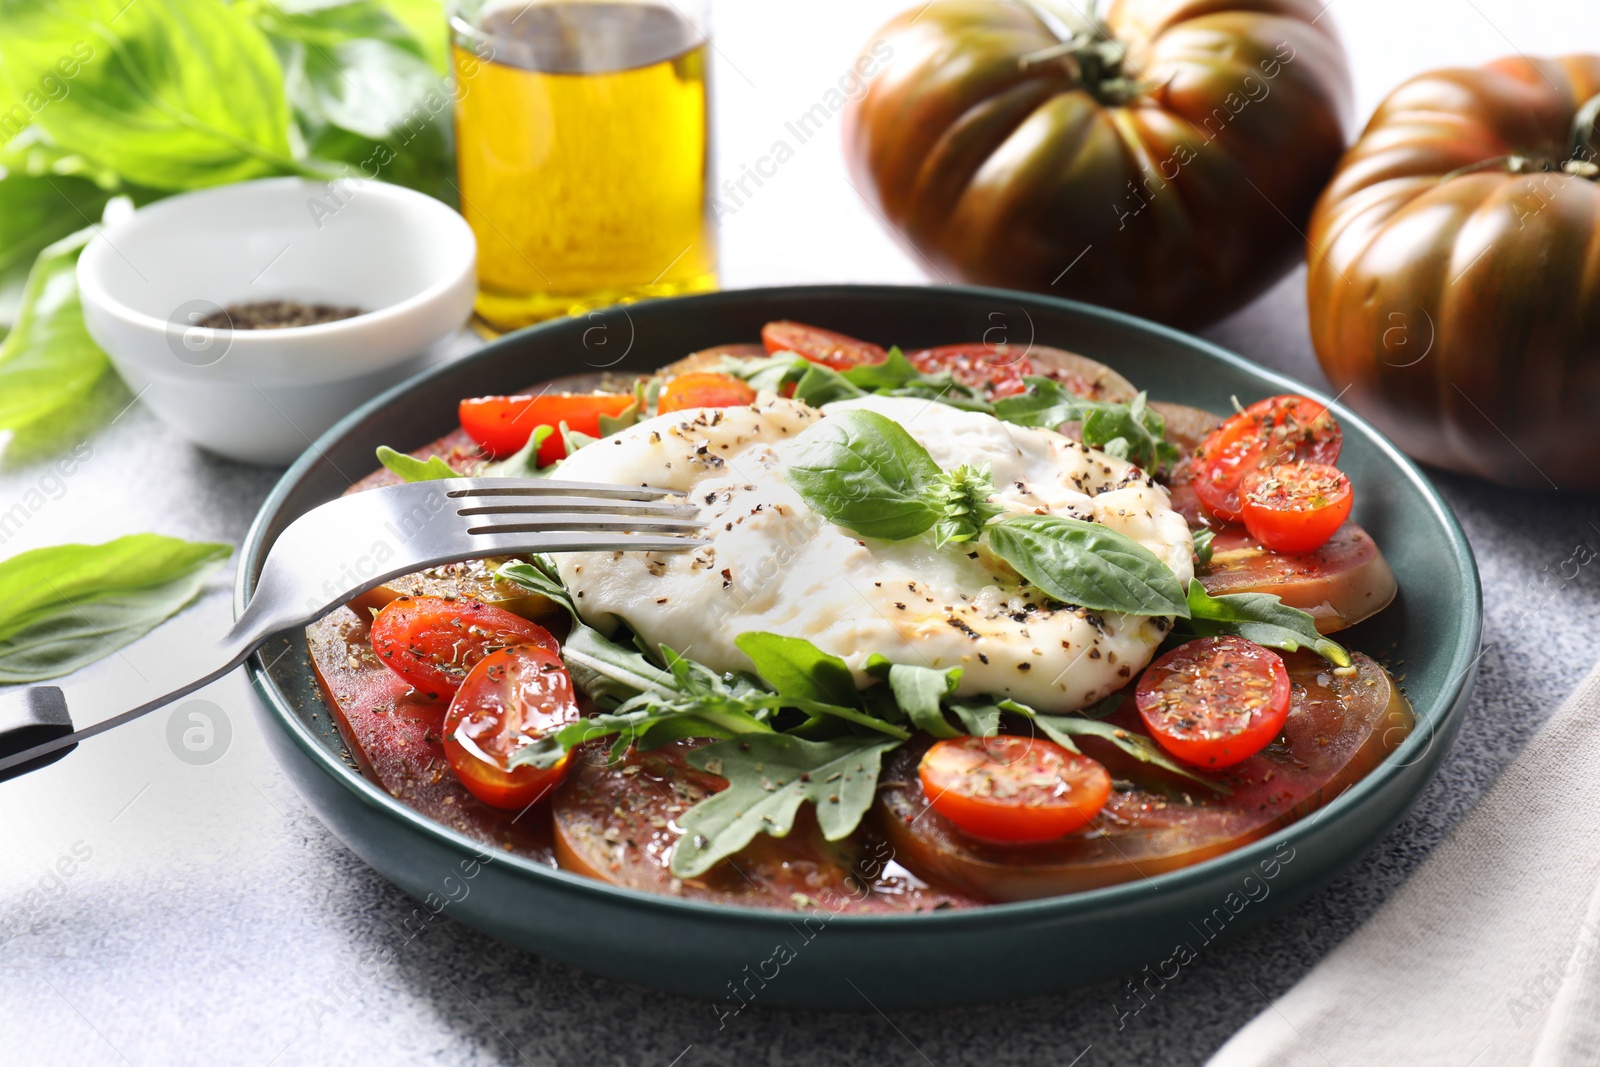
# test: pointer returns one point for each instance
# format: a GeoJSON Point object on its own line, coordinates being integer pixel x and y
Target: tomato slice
{"type": "Point", "coordinates": [433, 642]}
{"type": "Point", "coordinates": [1215, 701]}
{"type": "Point", "coordinates": [996, 369]}
{"type": "Point", "coordinates": [502, 424]}
{"type": "Point", "coordinates": [703, 390]}
{"type": "Point", "coordinates": [1280, 429]}
{"type": "Point", "coordinates": [837, 350]}
{"type": "Point", "coordinates": [1295, 508]}
{"type": "Point", "coordinates": [1339, 584]}
{"type": "Point", "coordinates": [1014, 789]}
{"type": "Point", "coordinates": [511, 699]}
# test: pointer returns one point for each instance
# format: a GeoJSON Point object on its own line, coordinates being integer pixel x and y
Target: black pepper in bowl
{"type": "Point", "coordinates": [276, 315]}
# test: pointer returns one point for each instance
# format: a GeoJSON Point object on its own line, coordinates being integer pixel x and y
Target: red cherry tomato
{"type": "Point", "coordinates": [1294, 508]}
{"type": "Point", "coordinates": [1215, 701]}
{"type": "Point", "coordinates": [1280, 429]}
{"type": "Point", "coordinates": [432, 642]}
{"type": "Point", "coordinates": [502, 424]}
{"type": "Point", "coordinates": [996, 369]}
{"type": "Point", "coordinates": [836, 350]}
{"type": "Point", "coordinates": [1013, 789]}
{"type": "Point", "coordinates": [703, 390]}
{"type": "Point", "coordinates": [511, 699]}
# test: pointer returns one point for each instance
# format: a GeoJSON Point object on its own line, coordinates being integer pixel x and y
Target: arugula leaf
{"type": "Point", "coordinates": [1087, 564]}
{"type": "Point", "coordinates": [146, 100]}
{"type": "Point", "coordinates": [918, 692]}
{"type": "Point", "coordinates": [769, 777]}
{"type": "Point", "coordinates": [608, 672]}
{"type": "Point", "coordinates": [807, 678]}
{"type": "Point", "coordinates": [1062, 728]}
{"type": "Point", "coordinates": [411, 469]}
{"type": "Point", "coordinates": [1129, 431]}
{"type": "Point", "coordinates": [980, 718]}
{"type": "Point", "coordinates": [1202, 544]}
{"type": "Point", "coordinates": [67, 606]}
{"type": "Point", "coordinates": [1262, 618]}
{"type": "Point", "coordinates": [864, 472]}
{"type": "Point", "coordinates": [48, 361]}
{"type": "Point", "coordinates": [523, 463]}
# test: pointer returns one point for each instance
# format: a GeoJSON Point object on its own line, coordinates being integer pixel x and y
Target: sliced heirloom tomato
{"type": "Point", "coordinates": [1340, 726]}
{"type": "Point", "coordinates": [396, 737]}
{"type": "Point", "coordinates": [434, 642]}
{"type": "Point", "coordinates": [1295, 508]}
{"type": "Point", "coordinates": [618, 823]}
{"type": "Point", "coordinates": [703, 390]}
{"type": "Point", "coordinates": [1214, 702]}
{"type": "Point", "coordinates": [511, 699]}
{"type": "Point", "coordinates": [996, 369]}
{"type": "Point", "coordinates": [1343, 582]}
{"type": "Point", "coordinates": [501, 425]}
{"type": "Point", "coordinates": [837, 350]}
{"type": "Point", "coordinates": [1279, 429]}
{"type": "Point", "coordinates": [1015, 789]}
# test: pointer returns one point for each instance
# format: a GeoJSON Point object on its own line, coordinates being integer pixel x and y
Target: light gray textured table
{"type": "Point", "coordinates": [157, 911]}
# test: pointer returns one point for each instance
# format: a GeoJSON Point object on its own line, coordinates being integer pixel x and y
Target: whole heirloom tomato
{"type": "Point", "coordinates": [1453, 286]}
{"type": "Point", "coordinates": [1159, 163]}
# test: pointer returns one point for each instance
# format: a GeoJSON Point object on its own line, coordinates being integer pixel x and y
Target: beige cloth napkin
{"type": "Point", "coordinates": [1489, 954]}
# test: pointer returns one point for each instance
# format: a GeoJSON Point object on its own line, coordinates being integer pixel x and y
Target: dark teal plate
{"type": "Point", "coordinates": [999, 952]}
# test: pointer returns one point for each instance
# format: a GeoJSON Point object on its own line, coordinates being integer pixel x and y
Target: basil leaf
{"type": "Point", "coordinates": [1262, 618]}
{"type": "Point", "coordinates": [35, 212]}
{"type": "Point", "coordinates": [769, 777]}
{"type": "Point", "coordinates": [172, 94]}
{"type": "Point", "coordinates": [360, 86]}
{"type": "Point", "coordinates": [541, 576]}
{"type": "Point", "coordinates": [818, 385]}
{"type": "Point", "coordinates": [1202, 545]}
{"type": "Point", "coordinates": [1087, 564]}
{"type": "Point", "coordinates": [425, 21]}
{"type": "Point", "coordinates": [1129, 431]}
{"type": "Point", "coordinates": [411, 469]}
{"type": "Point", "coordinates": [64, 607]}
{"type": "Point", "coordinates": [47, 361]}
{"type": "Point", "coordinates": [962, 497]}
{"type": "Point", "coordinates": [863, 472]}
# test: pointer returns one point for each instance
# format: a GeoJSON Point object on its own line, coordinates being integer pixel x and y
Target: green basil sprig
{"type": "Point", "coordinates": [1129, 431]}
{"type": "Point", "coordinates": [1087, 564]}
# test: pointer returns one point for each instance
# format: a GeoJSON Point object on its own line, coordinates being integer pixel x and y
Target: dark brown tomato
{"type": "Point", "coordinates": [1338, 729]}
{"type": "Point", "coordinates": [709, 360]}
{"type": "Point", "coordinates": [1081, 375]}
{"type": "Point", "coordinates": [1340, 584]}
{"type": "Point", "coordinates": [1186, 427]}
{"type": "Point", "coordinates": [397, 739]}
{"type": "Point", "coordinates": [618, 824]}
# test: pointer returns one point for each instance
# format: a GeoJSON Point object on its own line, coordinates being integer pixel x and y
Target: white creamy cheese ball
{"type": "Point", "coordinates": [775, 565]}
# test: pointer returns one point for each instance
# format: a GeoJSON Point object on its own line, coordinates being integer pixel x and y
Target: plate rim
{"type": "Point", "coordinates": [1461, 671]}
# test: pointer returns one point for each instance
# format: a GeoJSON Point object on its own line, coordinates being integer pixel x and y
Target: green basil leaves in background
{"type": "Point", "coordinates": [173, 94]}
{"type": "Point", "coordinates": [65, 607]}
{"type": "Point", "coordinates": [47, 361]}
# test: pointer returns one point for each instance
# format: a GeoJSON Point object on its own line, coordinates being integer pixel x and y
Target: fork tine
{"type": "Point", "coordinates": [613, 524]}
{"type": "Point", "coordinates": [586, 505]}
{"type": "Point", "coordinates": [545, 487]}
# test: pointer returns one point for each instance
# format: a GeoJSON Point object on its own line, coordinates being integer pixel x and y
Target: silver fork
{"type": "Point", "coordinates": [332, 553]}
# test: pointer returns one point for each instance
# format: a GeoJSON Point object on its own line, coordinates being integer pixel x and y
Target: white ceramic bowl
{"type": "Point", "coordinates": [262, 396]}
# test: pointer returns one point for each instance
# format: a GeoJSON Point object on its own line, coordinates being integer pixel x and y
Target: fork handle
{"type": "Point", "coordinates": [36, 727]}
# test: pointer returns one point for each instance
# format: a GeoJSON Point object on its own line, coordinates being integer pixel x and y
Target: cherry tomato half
{"type": "Point", "coordinates": [1280, 429]}
{"type": "Point", "coordinates": [1215, 701]}
{"type": "Point", "coordinates": [511, 699]}
{"type": "Point", "coordinates": [836, 350]}
{"type": "Point", "coordinates": [1294, 508]}
{"type": "Point", "coordinates": [433, 642]}
{"type": "Point", "coordinates": [1013, 789]}
{"type": "Point", "coordinates": [703, 390]}
{"type": "Point", "coordinates": [502, 424]}
{"type": "Point", "coordinates": [996, 369]}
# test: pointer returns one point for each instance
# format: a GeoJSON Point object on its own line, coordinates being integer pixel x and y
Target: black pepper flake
{"type": "Point", "coordinates": [982, 658]}
{"type": "Point", "coordinates": [1024, 666]}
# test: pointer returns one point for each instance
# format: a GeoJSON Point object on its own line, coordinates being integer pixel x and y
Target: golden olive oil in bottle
{"type": "Point", "coordinates": [583, 151]}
